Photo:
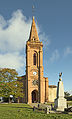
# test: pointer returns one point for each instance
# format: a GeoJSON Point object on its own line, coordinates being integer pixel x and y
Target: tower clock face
{"type": "Point", "coordinates": [34, 73]}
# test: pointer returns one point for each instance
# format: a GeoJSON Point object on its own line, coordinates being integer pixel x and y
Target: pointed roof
{"type": "Point", "coordinates": [33, 32]}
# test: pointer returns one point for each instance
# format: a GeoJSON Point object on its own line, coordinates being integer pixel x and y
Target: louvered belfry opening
{"type": "Point", "coordinates": [34, 59]}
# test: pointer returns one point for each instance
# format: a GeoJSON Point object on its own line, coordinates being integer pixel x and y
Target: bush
{"type": "Point", "coordinates": [69, 98]}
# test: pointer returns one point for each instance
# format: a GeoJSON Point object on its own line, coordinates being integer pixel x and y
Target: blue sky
{"type": "Point", "coordinates": [54, 21]}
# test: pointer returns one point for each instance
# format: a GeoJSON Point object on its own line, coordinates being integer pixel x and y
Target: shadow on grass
{"type": "Point", "coordinates": [21, 107]}
{"type": "Point", "coordinates": [16, 107]}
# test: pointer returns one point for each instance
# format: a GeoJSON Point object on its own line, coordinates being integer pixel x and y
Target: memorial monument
{"type": "Point", "coordinates": [60, 101]}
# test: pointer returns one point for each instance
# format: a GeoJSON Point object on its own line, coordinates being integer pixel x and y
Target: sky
{"type": "Point", "coordinates": [54, 24]}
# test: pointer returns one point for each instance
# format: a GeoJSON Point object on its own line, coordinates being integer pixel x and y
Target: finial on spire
{"type": "Point", "coordinates": [33, 10]}
{"type": "Point", "coordinates": [33, 7]}
{"type": "Point", "coordinates": [33, 17]}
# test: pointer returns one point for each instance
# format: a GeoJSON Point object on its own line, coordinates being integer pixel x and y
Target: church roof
{"type": "Point", "coordinates": [52, 86]}
{"type": "Point", "coordinates": [33, 32]}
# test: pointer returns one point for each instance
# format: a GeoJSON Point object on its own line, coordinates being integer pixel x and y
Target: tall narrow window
{"type": "Point", "coordinates": [34, 59]}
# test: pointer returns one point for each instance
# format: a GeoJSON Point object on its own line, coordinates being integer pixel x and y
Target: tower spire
{"type": "Point", "coordinates": [33, 33]}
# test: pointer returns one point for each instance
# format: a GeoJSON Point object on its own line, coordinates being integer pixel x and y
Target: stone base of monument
{"type": "Point", "coordinates": [60, 104]}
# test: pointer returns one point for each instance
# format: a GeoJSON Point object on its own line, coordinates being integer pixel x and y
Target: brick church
{"type": "Point", "coordinates": [36, 86]}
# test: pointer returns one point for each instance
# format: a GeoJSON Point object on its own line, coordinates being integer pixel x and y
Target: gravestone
{"type": "Point", "coordinates": [60, 101]}
{"type": "Point", "coordinates": [34, 108]}
{"type": "Point", "coordinates": [47, 110]}
{"type": "Point", "coordinates": [38, 105]}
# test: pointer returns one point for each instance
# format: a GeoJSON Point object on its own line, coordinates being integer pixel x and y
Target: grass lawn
{"type": "Point", "coordinates": [24, 111]}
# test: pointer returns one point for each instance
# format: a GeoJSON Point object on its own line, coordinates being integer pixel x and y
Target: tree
{"type": "Point", "coordinates": [19, 89]}
{"type": "Point", "coordinates": [66, 94]}
{"type": "Point", "coordinates": [9, 85]}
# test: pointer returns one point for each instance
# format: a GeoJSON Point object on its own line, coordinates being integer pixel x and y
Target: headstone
{"type": "Point", "coordinates": [38, 105]}
{"type": "Point", "coordinates": [47, 111]}
{"type": "Point", "coordinates": [34, 108]}
{"type": "Point", "coordinates": [51, 107]}
{"type": "Point", "coordinates": [60, 101]}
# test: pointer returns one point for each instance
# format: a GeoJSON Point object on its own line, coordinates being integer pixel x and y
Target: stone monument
{"type": "Point", "coordinates": [60, 101]}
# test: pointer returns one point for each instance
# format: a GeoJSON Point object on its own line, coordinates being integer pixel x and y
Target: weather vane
{"type": "Point", "coordinates": [33, 8]}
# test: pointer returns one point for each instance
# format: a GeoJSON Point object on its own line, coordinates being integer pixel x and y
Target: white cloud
{"type": "Point", "coordinates": [13, 36]}
{"type": "Point", "coordinates": [2, 22]}
{"type": "Point", "coordinates": [67, 51]}
{"type": "Point", "coordinates": [13, 60]}
{"type": "Point", "coordinates": [55, 56]}
{"type": "Point", "coordinates": [15, 33]}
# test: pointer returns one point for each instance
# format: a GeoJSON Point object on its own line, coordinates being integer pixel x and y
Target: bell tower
{"type": "Point", "coordinates": [35, 84]}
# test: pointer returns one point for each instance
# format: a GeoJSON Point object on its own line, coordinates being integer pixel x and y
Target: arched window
{"type": "Point", "coordinates": [34, 59]}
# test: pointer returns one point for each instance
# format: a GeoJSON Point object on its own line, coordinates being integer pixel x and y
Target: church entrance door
{"type": "Point", "coordinates": [34, 96]}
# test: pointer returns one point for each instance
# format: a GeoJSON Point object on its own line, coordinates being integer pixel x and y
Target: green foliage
{"type": "Point", "coordinates": [9, 85]}
{"type": "Point", "coordinates": [18, 90]}
{"type": "Point", "coordinates": [7, 75]}
{"type": "Point", "coordinates": [68, 96]}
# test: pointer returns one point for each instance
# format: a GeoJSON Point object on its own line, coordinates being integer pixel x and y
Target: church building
{"type": "Point", "coordinates": [36, 86]}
